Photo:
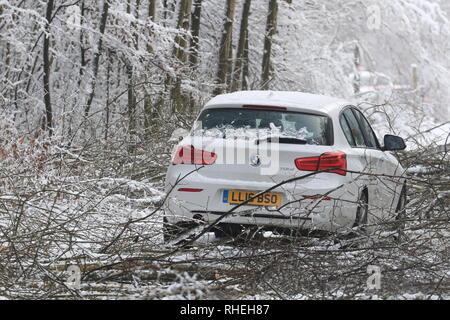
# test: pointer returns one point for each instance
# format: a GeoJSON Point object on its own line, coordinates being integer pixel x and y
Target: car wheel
{"type": "Point", "coordinates": [400, 211]}
{"type": "Point", "coordinates": [362, 211]}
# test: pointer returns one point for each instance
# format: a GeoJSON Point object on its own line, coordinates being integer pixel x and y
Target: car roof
{"type": "Point", "coordinates": [294, 101]}
{"type": "Point", "coordinates": [290, 99]}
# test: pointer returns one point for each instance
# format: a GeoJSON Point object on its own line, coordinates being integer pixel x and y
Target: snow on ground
{"type": "Point", "coordinates": [111, 228]}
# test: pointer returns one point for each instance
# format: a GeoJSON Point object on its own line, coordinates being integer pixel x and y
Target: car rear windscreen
{"type": "Point", "coordinates": [314, 129]}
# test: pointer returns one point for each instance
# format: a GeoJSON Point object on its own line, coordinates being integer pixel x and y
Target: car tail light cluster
{"type": "Point", "coordinates": [329, 160]}
{"type": "Point", "coordinates": [190, 155]}
{"type": "Point", "coordinates": [190, 190]}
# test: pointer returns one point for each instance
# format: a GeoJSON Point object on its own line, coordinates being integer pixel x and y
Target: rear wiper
{"type": "Point", "coordinates": [282, 140]}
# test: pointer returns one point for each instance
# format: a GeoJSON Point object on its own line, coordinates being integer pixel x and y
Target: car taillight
{"type": "Point", "coordinates": [337, 160]}
{"type": "Point", "coordinates": [190, 155]}
{"type": "Point", "coordinates": [190, 190]}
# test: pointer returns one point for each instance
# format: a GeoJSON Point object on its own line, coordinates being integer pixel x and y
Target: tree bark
{"type": "Point", "coordinates": [225, 54]}
{"type": "Point", "coordinates": [181, 40]}
{"type": "Point", "coordinates": [245, 66]}
{"type": "Point", "coordinates": [271, 28]}
{"type": "Point", "coordinates": [151, 17]}
{"type": "Point", "coordinates": [195, 31]}
{"type": "Point", "coordinates": [357, 62]}
{"type": "Point", "coordinates": [240, 54]}
{"type": "Point", "coordinates": [131, 101]}
{"type": "Point", "coordinates": [150, 112]}
{"type": "Point", "coordinates": [130, 85]}
{"type": "Point", "coordinates": [82, 48]}
{"type": "Point", "coordinates": [108, 84]}
{"type": "Point", "coordinates": [152, 10]}
{"type": "Point", "coordinates": [48, 124]}
{"type": "Point", "coordinates": [180, 54]}
{"type": "Point", "coordinates": [96, 60]}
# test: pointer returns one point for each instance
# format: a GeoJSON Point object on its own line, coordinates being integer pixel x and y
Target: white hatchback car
{"type": "Point", "coordinates": [282, 160]}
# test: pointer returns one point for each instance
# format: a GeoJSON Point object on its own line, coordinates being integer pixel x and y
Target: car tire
{"type": "Point", "coordinates": [400, 211]}
{"type": "Point", "coordinates": [362, 211]}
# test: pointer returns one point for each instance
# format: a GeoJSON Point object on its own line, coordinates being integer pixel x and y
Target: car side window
{"type": "Point", "coordinates": [354, 128]}
{"type": "Point", "coordinates": [369, 135]}
{"type": "Point", "coordinates": [347, 131]}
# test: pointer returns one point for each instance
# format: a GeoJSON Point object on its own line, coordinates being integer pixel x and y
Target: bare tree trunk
{"type": "Point", "coordinates": [152, 9]}
{"type": "Point", "coordinates": [245, 66]}
{"type": "Point", "coordinates": [271, 28]}
{"type": "Point", "coordinates": [179, 52]}
{"type": "Point", "coordinates": [357, 62]}
{"type": "Point", "coordinates": [131, 101]}
{"type": "Point", "coordinates": [225, 54]}
{"type": "Point", "coordinates": [152, 17]}
{"type": "Point", "coordinates": [136, 35]}
{"type": "Point", "coordinates": [47, 99]}
{"type": "Point", "coordinates": [82, 48]}
{"type": "Point", "coordinates": [83, 64]}
{"type": "Point", "coordinates": [195, 31]}
{"type": "Point", "coordinates": [181, 40]}
{"type": "Point", "coordinates": [95, 62]}
{"type": "Point", "coordinates": [240, 54]}
{"type": "Point", "coordinates": [194, 45]}
{"type": "Point", "coordinates": [107, 108]}
{"type": "Point", "coordinates": [130, 85]}
{"type": "Point", "coordinates": [150, 112]}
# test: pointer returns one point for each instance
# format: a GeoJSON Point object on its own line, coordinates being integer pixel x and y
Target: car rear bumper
{"type": "Point", "coordinates": [318, 203]}
{"type": "Point", "coordinates": [327, 218]}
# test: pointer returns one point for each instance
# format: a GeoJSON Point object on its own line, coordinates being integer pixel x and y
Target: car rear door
{"type": "Point", "coordinates": [383, 186]}
{"type": "Point", "coordinates": [360, 155]}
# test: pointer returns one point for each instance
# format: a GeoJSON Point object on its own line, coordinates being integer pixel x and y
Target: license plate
{"type": "Point", "coordinates": [238, 196]}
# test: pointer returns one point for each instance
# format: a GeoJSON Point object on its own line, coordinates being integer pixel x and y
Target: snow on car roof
{"type": "Point", "coordinates": [290, 99]}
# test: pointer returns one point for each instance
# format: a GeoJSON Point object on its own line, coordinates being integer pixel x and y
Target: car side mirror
{"type": "Point", "coordinates": [393, 143]}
